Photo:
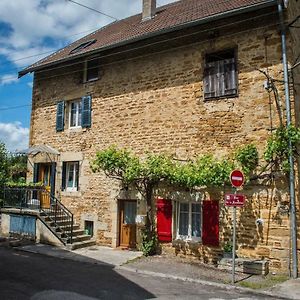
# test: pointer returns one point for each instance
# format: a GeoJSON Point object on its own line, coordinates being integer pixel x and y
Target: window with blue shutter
{"type": "Point", "coordinates": [86, 115]}
{"type": "Point", "coordinates": [60, 113]}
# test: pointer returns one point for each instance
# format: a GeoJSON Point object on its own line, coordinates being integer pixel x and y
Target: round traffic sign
{"type": "Point", "coordinates": [237, 178]}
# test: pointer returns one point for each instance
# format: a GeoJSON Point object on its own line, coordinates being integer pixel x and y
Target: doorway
{"type": "Point", "coordinates": [127, 215]}
{"type": "Point", "coordinates": [44, 176]}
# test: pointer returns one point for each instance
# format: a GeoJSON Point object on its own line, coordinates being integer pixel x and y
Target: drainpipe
{"type": "Point", "coordinates": [293, 221]}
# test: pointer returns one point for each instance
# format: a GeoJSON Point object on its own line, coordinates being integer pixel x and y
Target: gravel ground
{"type": "Point", "coordinates": [189, 268]}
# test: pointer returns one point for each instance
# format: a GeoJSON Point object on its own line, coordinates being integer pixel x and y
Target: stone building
{"type": "Point", "coordinates": [182, 79]}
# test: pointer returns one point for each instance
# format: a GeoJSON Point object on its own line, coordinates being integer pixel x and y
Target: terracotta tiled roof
{"type": "Point", "coordinates": [167, 18]}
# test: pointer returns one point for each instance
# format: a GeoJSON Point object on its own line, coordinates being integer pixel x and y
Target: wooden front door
{"type": "Point", "coordinates": [127, 224]}
{"type": "Point", "coordinates": [45, 178]}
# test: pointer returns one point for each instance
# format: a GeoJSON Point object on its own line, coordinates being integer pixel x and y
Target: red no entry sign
{"type": "Point", "coordinates": [237, 178]}
{"type": "Point", "coordinates": [234, 200]}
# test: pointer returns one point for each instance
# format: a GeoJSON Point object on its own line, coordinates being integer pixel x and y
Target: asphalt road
{"type": "Point", "coordinates": [32, 276]}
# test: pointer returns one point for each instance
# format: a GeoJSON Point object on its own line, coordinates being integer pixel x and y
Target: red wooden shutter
{"type": "Point", "coordinates": [210, 223]}
{"type": "Point", "coordinates": [164, 220]}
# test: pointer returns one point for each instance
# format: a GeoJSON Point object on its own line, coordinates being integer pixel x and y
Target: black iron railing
{"type": "Point", "coordinates": [61, 220]}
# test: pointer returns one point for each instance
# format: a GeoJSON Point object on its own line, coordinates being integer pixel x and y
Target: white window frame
{"type": "Point", "coordinates": [77, 115]}
{"type": "Point", "coordinates": [188, 237]}
{"type": "Point", "coordinates": [69, 165]}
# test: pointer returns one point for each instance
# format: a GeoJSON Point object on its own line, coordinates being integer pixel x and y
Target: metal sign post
{"type": "Point", "coordinates": [234, 200]}
{"type": "Point", "coordinates": [233, 243]}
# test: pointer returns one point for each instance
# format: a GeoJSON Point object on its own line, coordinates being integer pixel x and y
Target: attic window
{"type": "Point", "coordinates": [82, 46]}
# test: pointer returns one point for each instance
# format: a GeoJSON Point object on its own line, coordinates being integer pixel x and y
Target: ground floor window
{"type": "Point", "coordinates": [188, 221]}
{"type": "Point", "coordinates": [89, 227]}
{"type": "Point", "coordinates": [70, 177]}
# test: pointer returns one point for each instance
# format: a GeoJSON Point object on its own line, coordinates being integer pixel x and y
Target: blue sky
{"type": "Point", "coordinates": [31, 30]}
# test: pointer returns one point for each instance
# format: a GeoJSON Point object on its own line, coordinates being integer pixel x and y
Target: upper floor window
{"type": "Point", "coordinates": [91, 70]}
{"type": "Point", "coordinates": [220, 75]}
{"type": "Point", "coordinates": [75, 114]}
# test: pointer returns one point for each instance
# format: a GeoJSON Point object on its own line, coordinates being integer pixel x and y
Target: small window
{"type": "Point", "coordinates": [188, 225]}
{"type": "Point", "coordinates": [89, 227]}
{"type": "Point", "coordinates": [82, 46]}
{"type": "Point", "coordinates": [91, 70]}
{"type": "Point", "coordinates": [70, 176]}
{"type": "Point", "coordinates": [220, 75]}
{"type": "Point", "coordinates": [75, 114]}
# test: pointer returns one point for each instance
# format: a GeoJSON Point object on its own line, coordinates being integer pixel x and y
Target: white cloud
{"type": "Point", "coordinates": [30, 84]}
{"type": "Point", "coordinates": [8, 79]}
{"type": "Point", "coordinates": [38, 26]}
{"type": "Point", "coordinates": [14, 136]}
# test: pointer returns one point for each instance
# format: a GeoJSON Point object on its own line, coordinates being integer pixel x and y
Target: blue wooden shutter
{"type": "Point", "coordinates": [60, 113]}
{"type": "Point", "coordinates": [52, 179]}
{"type": "Point", "coordinates": [64, 176]}
{"type": "Point", "coordinates": [86, 106]}
{"type": "Point", "coordinates": [77, 175]}
{"type": "Point", "coordinates": [36, 169]}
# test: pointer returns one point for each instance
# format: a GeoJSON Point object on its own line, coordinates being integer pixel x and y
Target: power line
{"type": "Point", "coordinates": [50, 51]}
{"type": "Point", "coordinates": [15, 107]}
{"type": "Point", "coordinates": [94, 10]}
{"type": "Point", "coordinates": [155, 43]}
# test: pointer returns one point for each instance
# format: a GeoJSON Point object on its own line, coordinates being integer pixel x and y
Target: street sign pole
{"type": "Point", "coordinates": [233, 242]}
{"type": "Point", "coordinates": [237, 180]}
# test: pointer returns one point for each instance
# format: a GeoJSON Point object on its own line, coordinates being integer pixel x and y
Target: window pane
{"type": "Point", "coordinates": [71, 177]}
{"type": "Point", "coordinates": [79, 114]}
{"type": "Point", "coordinates": [196, 220]}
{"type": "Point", "coordinates": [92, 69]}
{"type": "Point", "coordinates": [184, 219]}
{"type": "Point", "coordinates": [73, 114]}
{"type": "Point", "coordinates": [129, 212]}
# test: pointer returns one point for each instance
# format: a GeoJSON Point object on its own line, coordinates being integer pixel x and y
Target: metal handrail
{"type": "Point", "coordinates": [32, 198]}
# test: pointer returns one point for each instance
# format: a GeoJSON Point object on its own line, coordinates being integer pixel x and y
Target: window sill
{"type": "Point", "coordinates": [75, 130]}
{"type": "Point", "coordinates": [189, 241]}
{"type": "Point", "coordinates": [221, 98]}
{"type": "Point", "coordinates": [71, 193]}
{"type": "Point", "coordinates": [90, 81]}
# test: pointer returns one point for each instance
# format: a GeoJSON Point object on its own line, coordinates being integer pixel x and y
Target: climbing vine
{"type": "Point", "coordinates": [277, 150]}
{"type": "Point", "coordinates": [204, 171]}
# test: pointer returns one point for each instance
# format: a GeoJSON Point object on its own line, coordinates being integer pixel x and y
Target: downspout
{"type": "Point", "coordinates": [293, 221]}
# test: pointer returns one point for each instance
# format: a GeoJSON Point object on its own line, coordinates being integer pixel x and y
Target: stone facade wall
{"type": "Point", "coordinates": [155, 103]}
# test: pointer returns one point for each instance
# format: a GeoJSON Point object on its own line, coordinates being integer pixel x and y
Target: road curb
{"type": "Point", "coordinates": [170, 276]}
{"type": "Point", "coordinates": [203, 282]}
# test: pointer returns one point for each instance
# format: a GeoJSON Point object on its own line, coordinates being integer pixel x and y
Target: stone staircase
{"type": "Point", "coordinates": [61, 228]}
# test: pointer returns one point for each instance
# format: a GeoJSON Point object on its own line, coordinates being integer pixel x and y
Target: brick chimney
{"type": "Point", "coordinates": [149, 9]}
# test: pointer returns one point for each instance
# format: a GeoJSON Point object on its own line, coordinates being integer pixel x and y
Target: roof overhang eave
{"type": "Point", "coordinates": [249, 8]}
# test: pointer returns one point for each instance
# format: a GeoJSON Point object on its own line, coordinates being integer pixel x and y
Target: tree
{"type": "Point", "coordinates": [4, 169]}
{"type": "Point", "coordinates": [145, 174]}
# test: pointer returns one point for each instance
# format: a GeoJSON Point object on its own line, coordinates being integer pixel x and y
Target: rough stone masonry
{"type": "Point", "coordinates": [155, 103]}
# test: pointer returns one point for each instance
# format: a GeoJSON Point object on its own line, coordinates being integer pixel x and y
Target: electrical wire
{"type": "Point", "coordinates": [47, 52]}
{"type": "Point", "coordinates": [100, 12]}
{"type": "Point", "coordinates": [14, 107]}
{"type": "Point", "coordinates": [159, 42]}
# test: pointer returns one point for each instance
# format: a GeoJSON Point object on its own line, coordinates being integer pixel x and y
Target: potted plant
{"type": "Point", "coordinates": [228, 250]}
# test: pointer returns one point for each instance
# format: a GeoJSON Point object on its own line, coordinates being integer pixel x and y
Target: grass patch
{"type": "Point", "coordinates": [264, 282]}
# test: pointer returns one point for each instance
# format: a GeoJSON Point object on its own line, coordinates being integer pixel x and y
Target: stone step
{"type": "Point", "coordinates": [83, 244]}
{"type": "Point", "coordinates": [81, 238]}
{"type": "Point", "coordinates": [245, 265]}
